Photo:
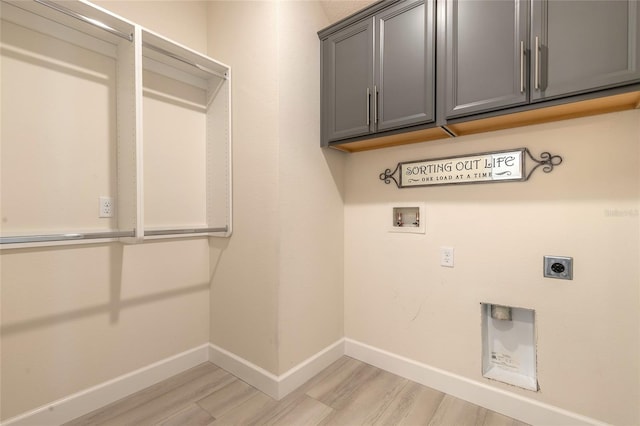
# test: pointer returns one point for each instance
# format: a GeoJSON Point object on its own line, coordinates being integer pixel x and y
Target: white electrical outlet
{"type": "Point", "coordinates": [446, 257]}
{"type": "Point", "coordinates": [107, 207]}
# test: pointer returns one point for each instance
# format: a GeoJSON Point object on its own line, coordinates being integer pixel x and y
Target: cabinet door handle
{"type": "Point", "coordinates": [375, 104]}
{"type": "Point", "coordinates": [522, 67]}
{"type": "Point", "coordinates": [368, 107]}
{"type": "Point", "coordinates": [536, 82]}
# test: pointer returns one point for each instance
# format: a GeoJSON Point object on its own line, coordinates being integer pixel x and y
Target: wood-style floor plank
{"type": "Point", "coordinates": [248, 412]}
{"type": "Point", "coordinates": [348, 392]}
{"type": "Point", "coordinates": [496, 419]}
{"type": "Point", "coordinates": [171, 402]}
{"type": "Point", "coordinates": [301, 411]}
{"type": "Point", "coordinates": [454, 411]}
{"type": "Point", "coordinates": [369, 402]}
{"type": "Point", "coordinates": [331, 370]}
{"type": "Point", "coordinates": [227, 398]}
{"type": "Point", "coordinates": [144, 396]}
{"type": "Point", "coordinates": [339, 389]}
{"type": "Point", "coordinates": [192, 415]}
{"type": "Point", "coordinates": [414, 405]}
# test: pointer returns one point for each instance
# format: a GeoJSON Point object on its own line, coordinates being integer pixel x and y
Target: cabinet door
{"type": "Point", "coordinates": [580, 46]}
{"type": "Point", "coordinates": [404, 83]}
{"type": "Point", "coordinates": [486, 63]}
{"type": "Point", "coordinates": [348, 79]}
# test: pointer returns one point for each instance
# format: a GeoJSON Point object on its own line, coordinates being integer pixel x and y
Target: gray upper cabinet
{"type": "Point", "coordinates": [579, 46]}
{"type": "Point", "coordinates": [378, 73]}
{"type": "Point", "coordinates": [347, 61]}
{"type": "Point", "coordinates": [485, 52]}
{"type": "Point", "coordinates": [501, 54]}
{"type": "Point", "coordinates": [495, 58]}
{"type": "Point", "coordinates": [404, 83]}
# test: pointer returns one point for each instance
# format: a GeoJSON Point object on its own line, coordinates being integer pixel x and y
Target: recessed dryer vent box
{"type": "Point", "coordinates": [509, 345]}
{"type": "Point", "coordinates": [407, 217]}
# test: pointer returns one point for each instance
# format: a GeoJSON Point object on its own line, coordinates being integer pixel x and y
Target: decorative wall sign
{"type": "Point", "coordinates": [497, 166]}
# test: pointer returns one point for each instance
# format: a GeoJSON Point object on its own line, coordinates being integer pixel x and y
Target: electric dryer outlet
{"type": "Point", "coordinates": [560, 267]}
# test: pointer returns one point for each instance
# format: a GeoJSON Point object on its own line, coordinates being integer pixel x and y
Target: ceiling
{"type": "Point", "coordinates": [338, 9]}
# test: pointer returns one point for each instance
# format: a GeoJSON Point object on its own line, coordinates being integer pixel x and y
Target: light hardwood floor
{"type": "Point", "coordinates": [348, 392]}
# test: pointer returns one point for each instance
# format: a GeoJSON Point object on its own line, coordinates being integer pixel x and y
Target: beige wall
{"type": "Point", "coordinates": [73, 317]}
{"type": "Point", "coordinates": [244, 304]}
{"type": "Point", "coordinates": [311, 207]}
{"type": "Point", "coordinates": [182, 21]}
{"type": "Point", "coordinates": [398, 298]}
{"type": "Point", "coordinates": [276, 295]}
{"type": "Point", "coordinates": [307, 219]}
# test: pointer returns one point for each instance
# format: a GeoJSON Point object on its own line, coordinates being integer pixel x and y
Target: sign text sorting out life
{"type": "Point", "coordinates": [476, 168]}
{"type": "Point", "coordinates": [498, 166]}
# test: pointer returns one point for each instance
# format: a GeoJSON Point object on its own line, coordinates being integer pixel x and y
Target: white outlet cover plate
{"type": "Point", "coordinates": [446, 257]}
{"type": "Point", "coordinates": [107, 206]}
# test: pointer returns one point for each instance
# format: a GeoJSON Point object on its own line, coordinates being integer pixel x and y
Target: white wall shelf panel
{"type": "Point", "coordinates": [67, 137]}
{"type": "Point", "coordinates": [187, 141]}
{"type": "Point", "coordinates": [77, 22]}
{"type": "Point", "coordinates": [75, 81]}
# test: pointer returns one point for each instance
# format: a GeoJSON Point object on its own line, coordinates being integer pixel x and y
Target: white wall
{"type": "Point", "coordinates": [399, 299]}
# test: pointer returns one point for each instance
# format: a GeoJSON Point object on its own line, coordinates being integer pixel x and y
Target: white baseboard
{"type": "Point", "coordinates": [510, 404]}
{"type": "Point", "coordinates": [250, 373]}
{"type": "Point", "coordinates": [300, 374]}
{"type": "Point", "coordinates": [81, 403]}
{"type": "Point", "coordinates": [507, 403]}
{"type": "Point", "coordinates": [276, 387]}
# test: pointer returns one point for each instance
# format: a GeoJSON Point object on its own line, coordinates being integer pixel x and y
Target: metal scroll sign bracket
{"type": "Point", "coordinates": [487, 167]}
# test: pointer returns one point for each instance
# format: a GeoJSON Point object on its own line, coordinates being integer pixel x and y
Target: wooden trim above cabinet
{"type": "Point", "coordinates": [621, 102]}
{"type": "Point", "coordinates": [565, 111]}
{"type": "Point", "coordinates": [424, 135]}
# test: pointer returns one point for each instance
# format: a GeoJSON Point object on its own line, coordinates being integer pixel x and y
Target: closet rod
{"type": "Point", "coordinates": [184, 60]}
{"type": "Point", "coordinates": [85, 19]}
{"type": "Point", "coordinates": [98, 235]}
{"type": "Point", "coordinates": [65, 237]}
{"type": "Point", "coordinates": [183, 231]}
